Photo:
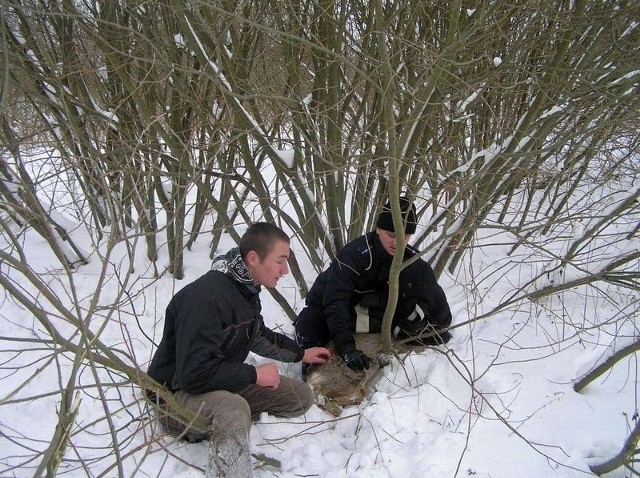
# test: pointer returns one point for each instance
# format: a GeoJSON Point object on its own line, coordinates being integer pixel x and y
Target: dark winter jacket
{"type": "Point", "coordinates": [362, 267]}
{"type": "Point", "coordinates": [210, 327]}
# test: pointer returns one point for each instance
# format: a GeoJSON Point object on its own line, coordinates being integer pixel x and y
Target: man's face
{"type": "Point", "coordinates": [268, 271]}
{"type": "Point", "coordinates": [388, 240]}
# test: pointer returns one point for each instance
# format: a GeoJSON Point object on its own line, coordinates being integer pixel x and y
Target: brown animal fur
{"type": "Point", "coordinates": [336, 385]}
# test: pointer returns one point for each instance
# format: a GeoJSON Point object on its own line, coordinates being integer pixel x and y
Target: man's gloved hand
{"type": "Point", "coordinates": [356, 359]}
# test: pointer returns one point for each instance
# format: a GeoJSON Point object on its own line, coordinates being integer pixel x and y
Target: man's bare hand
{"type": "Point", "coordinates": [316, 355]}
{"type": "Point", "coordinates": [268, 376]}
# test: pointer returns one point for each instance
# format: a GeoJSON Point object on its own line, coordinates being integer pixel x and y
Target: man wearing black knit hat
{"type": "Point", "coordinates": [351, 294]}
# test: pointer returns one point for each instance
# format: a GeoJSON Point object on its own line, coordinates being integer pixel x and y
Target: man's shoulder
{"type": "Point", "coordinates": [420, 265]}
{"type": "Point", "coordinates": [360, 245]}
{"type": "Point", "coordinates": [346, 255]}
{"type": "Point", "coordinates": [358, 251]}
{"type": "Point", "coordinates": [207, 282]}
{"type": "Point", "coordinates": [210, 277]}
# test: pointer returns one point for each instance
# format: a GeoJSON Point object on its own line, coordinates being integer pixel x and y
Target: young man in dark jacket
{"type": "Point", "coordinates": [210, 327]}
{"type": "Point", "coordinates": [351, 294]}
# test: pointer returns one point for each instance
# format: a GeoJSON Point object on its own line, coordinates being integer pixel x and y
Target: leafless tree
{"type": "Point", "coordinates": [166, 121]}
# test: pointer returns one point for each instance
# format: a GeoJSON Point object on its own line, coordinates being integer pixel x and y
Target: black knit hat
{"type": "Point", "coordinates": [385, 219]}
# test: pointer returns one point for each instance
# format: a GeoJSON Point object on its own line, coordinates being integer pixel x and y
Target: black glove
{"type": "Point", "coordinates": [356, 359]}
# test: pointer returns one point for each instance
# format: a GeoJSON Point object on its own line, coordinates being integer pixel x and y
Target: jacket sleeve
{"type": "Point", "coordinates": [431, 293]}
{"type": "Point", "coordinates": [200, 365]}
{"type": "Point", "coordinates": [340, 282]}
{"type": "Point", "coordinates": [274, 345]}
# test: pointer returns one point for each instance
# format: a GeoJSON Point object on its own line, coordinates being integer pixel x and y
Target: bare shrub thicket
{"type": "Point", "coordinates": [161, 123]}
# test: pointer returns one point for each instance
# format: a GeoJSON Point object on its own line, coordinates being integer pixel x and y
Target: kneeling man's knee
{"type": "Point", "coordinates": [230, 412]}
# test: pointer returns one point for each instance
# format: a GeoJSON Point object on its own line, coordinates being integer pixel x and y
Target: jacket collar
{"type": "Point", "coordinates": [379, 249]}
{"type": "Point", "coordinates": [409, 251]}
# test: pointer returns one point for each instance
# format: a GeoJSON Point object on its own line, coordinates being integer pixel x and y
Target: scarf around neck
{"type": "Point", "coordinates": [232, 265]}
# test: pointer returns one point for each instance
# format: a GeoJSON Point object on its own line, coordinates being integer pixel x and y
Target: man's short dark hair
{"type": "Point", "coordinates": [261, 237]}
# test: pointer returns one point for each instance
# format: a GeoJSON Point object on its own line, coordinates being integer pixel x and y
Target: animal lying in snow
{"type": "Point", "coordinates": [336, 385]}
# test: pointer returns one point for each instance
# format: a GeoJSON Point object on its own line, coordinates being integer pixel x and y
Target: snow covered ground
{"type": "Point", "coordinates": [496, 402]}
